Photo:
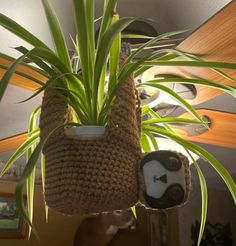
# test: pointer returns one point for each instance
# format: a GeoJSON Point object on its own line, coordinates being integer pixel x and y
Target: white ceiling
{"type": "Point", "coordinates": [169, 15]}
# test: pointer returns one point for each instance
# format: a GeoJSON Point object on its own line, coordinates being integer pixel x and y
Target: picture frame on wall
{"type": "Point", "coordinates": [12, 226]}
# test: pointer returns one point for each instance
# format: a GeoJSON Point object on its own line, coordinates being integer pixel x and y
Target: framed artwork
{"type": "Point", "coordinates": [11, 224]}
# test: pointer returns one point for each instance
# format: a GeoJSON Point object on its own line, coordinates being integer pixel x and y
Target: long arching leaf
{"type": "Point", "coordinates": [204, 194]}
{"type": "Point", "coordinates": [198, 81]}
{"type": "Point", "coordinates": [57, 35]}
{"type": "Point", "coordinates": [20, 151]}
{"type": "Point", "coordinates": [30, 184]}
{"type": "Point", "coordinates": [21, 32]}
{"type": "Point", "coordinates": [109, 9]}
{"type": "Point", "coordinates": [8, 74]}
{"type": "Point", "coordinates": [180, 100]}
{"type": "Point", "coordinates": [206, 64]}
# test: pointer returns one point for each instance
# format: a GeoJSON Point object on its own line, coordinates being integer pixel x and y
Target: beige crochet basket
{"type": "Point", "coordinates": [93, 175]}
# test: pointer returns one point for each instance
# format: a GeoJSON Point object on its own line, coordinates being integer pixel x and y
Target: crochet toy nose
{"type": "Point", "coordinates": [163, 179]}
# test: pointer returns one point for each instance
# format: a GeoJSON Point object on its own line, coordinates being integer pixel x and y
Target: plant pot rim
{"type": "Point", "coordinates": [85, 131]}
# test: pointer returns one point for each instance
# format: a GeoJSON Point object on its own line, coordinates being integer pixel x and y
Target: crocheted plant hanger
{"type": "Point", "coordinates": [98, 174]}
{"type": "Point", "coordinates": [92, 175]}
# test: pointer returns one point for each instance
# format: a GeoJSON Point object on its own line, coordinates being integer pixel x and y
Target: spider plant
{"type": "Point", "coordinates": [85, 87]}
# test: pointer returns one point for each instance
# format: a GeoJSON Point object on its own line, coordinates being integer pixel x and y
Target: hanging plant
{"type": "Point", "coordinates": [100, 172]}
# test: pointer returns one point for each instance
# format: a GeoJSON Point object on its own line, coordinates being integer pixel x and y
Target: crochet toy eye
{"type": "Point", "coordinates": [172, 164]}
{"type": "Point", "coordinates": [176, 192]}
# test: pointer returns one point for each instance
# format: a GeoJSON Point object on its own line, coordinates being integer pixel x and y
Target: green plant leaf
{"type": "Point", "coordinates": [153, 140]}
{"type": "Point", "coordinates": [104, 48]}
{"type": "Point", "coordinates": [34, 138]}
{"type": "Point", "coordinates": [29, 177]}
{"type": "Point", "coordinates": [198, 81]}
{"type": "Point", "coordinates": [101, 88]}
{"type": "Point", "coordinates": [52, 59]}
{"type": "Point", "coordinates": [12, 59]}
{"type": "Point", "coordinates": [76, 47]}
{"type": "Point", "coordinates": [50, 82]}
{"type": "Point", "coordinates": [106, 43]}
{"type": "Point", "coordinates": [157, 117]}
{"type": "Point", "coordinates": [171, 120]}
{"type": "Point", "coordinates": [73, 99]}
{"type": "Point", "coordinates": [193, 57]}
{"type": "Point", "coordinates": [43, 184]}
{"type": "Point", "coordinates": [33, 119]}
{"type": "Point", "coordinates": [83, 44]}
{"type": "Point", "coordinates": [142, 69]}
{"type": "Point", "coordinates": [114, 57]}
{"type": "Point", "coordinates": [57, 35]}
{"type": "Point", "coordinates": [24, 75]}
{"type": "Point", "coordinates": [89, 6]}
{"type": "Point", "coordinates": [30, 184]}
{"type": "Point", "coordinates": [8, 74]}
{"type": "Point", "coordinates": [145, 110]}
{"type": "Point", "coordinates": [128, 69]}
{"type": "Point", "coordinates": [206, 64]}
{"type": "Point", "coordinates": [47, 56]}
{"type": "Point", "coordinates": [136, 36]}
{"type": "Point", "coordinates": [109, 10]}
{"type": "Point", "coordinates": [124, 74]}
{"type": "Point", "coordinates": [154, 40]}
{"type": "Point", "coordinates": [145, 143]}
{"type": "Point", "coordinates": [39, 62]}
{"type": "Point", "coordinates": [30, 166]}
{"type": "Point", "coordinates": [31, 163]}
{"type": "Point", "coordinates": [181, 101]}
{"type": "Point", "coordinates": [204, 194]}
{"type": "Point", "coordinates": [133, 209]}
{"type": "Point", "coordinates": [30, 197]}
{"type": "Point", "coordinates": [21, 32]}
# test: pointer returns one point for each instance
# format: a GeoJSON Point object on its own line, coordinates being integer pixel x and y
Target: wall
{"type": "Point", "coordinates": [151, 9]}
{"type": "Point", "coordinates": [221, 209]}
{"type": "Point", "coordinates": [192, 13]}
{"type": "Point", "coordinates": [30, 14]}
{"type": "Point", "coordinates": [169, 15]}
{"type": "Point", "coordinates": [58, 232]}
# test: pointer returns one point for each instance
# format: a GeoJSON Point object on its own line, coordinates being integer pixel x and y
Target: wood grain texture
{"type": "Point", "coordinates": [19, 80]}
{"type": "Point", "coordinates": [173, 227]}
{"type": "Point", "coordinates": [215, 40]}
{"type": "Point", "coordinates": [222, 130]}
{"type": "Point", "coordinates": [12, 143]}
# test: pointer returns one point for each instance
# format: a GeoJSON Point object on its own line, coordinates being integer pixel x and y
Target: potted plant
{"type": "Point", "coordinates": [79, 96]}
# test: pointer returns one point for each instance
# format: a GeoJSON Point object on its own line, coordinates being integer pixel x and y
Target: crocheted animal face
{"type": "Point", "coordinates": [164, 179]}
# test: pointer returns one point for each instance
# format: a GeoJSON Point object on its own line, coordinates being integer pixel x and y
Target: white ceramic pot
{"type": "Point", "coordinates": [90, 131]}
